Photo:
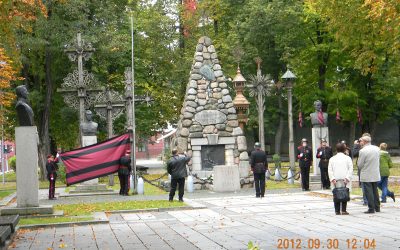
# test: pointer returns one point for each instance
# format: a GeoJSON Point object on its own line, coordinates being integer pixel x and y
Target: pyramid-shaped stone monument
{"type": "Point", "coordinates": [208, 125]}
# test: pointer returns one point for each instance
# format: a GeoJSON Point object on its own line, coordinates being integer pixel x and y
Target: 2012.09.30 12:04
{"type": "Point", "coordinates": [331, 243]}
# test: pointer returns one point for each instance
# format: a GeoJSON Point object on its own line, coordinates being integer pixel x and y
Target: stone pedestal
{"type": "Point", "coordinates": [317, 135]}
{"type": "Point", "coordinates": [27, 140]}
{"type": "Point", "coordinates": [226, 178]}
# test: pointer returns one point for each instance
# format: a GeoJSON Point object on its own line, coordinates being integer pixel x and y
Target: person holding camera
{"type": "Point", "coordinates": [340, 171]}
{"type": "Point", "coordinates": [176, 167]}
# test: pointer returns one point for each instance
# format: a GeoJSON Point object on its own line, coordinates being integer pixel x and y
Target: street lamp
{"type": "Point", "coordinates": [289, 78]}
{"type": "Point", "coordinates": [2, 130]}
{"type": "Point", "coordinates": [133, 125]}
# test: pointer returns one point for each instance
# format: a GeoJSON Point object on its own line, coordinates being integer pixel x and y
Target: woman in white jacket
{"type": "Point", "coordinates": [340, 170]}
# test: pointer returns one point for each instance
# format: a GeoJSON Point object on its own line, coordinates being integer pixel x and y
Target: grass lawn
{"type": "Point", "coordinates": [5, 193]}
{"type": "Point", "coordinates": [88, 208]}
{"type": "Point", "coordinates": [148, 188]}
{"type": "Point", "coordinates": [271, 184]}
{"type": "Point", "coordinates": [394, 187]}
{"type": "Point", "coordinates": [32, 221]}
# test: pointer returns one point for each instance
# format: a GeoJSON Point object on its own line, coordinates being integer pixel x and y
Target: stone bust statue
{"type": "Point", "coordinates": [319, 118]}
{"type": "Point", "coordinates": [89, 128]}
{"type": "Point", "coordinates": [24, 111]}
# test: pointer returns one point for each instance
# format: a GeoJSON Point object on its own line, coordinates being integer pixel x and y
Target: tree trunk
{"type": "Point", "coordinates": [44, 146]}
{"type": "Point", "coordinates": [279, 131]}
{"type": "Point", "coordinates": [352, 134]}
{"type": "Point", "coordinates": [181, 26]}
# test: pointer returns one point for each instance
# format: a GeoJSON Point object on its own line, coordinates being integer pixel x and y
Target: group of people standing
{"type": "Point", "coordinates": [373, 165]}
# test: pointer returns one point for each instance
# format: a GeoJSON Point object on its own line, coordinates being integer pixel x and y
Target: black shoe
{"type": "Point", "coordinates": [262, 196]}
{"type": "Point", "coordinates": [337, 213]}
{"type": "Point", "coordinates": [393, 197]}
{"type": "Point", "coordinates": [307, 189]}
{"type": "Point", "coordinates": [383, 201]}
{"type": "Point", "coordinates": [257, 196]}
{"type": "Point", "coordinates": [180, 200]}
{"type": "Point", "coordinates": [369, 212]}
{"type": "Point", "coordinates": [377, 210]}
{"type": "Point", "coordinates": [345, 213]}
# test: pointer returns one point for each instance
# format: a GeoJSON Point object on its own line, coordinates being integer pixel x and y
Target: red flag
{"type": "Point", "coordinates": [338, 118]}
{"type": "Point", "coordinates": [359, 115]}
{"type": "Point", "coordinates": [96, 160]}
{"type": "Point", "coordinates": [300, 119]}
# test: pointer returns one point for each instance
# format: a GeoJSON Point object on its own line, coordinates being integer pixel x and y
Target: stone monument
{"type": "Point", "coordinates": [89, 137]}
{"type": "Point", "coordinates": [319, 121]}
{"type": "Point", "coordinates": [27, 140]}
{"type": "Point", "coordinates": [208, 128]}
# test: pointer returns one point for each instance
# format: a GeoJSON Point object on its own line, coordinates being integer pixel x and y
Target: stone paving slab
{"type": "Point", "coordinates": [230, 222]}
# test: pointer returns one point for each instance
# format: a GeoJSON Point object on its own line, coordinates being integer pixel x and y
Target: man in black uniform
{"type": "Point", "coordinates": [51, 168]}
{"type": "Point", "coordinates": [258, 163]}
{"type": "Point", "coordinates": [324, 153]}
{"type": "Point", "coordinates": [124, 171]}
{"type": "Point", "coordinates": [304, 154]}
{"type": "Point", "coordinates": [176, 167]}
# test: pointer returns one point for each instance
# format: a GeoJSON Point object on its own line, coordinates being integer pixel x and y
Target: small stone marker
{"type": "Point", "coordinates": [226, 178]}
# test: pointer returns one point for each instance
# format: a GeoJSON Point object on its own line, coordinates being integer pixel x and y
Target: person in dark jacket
{"type": "Point", "coordinates": [304, 155]}
{"type": "Point", "coordinates": [258, 163]}
{"type": "Point", "coordinates": [324, 153]}
{"type": "Point", "coordinates": [176, 167]}
{"type": "Point", "coordinates": [51, 168]}
{"type": "Point", "coordinates": [124, 171]}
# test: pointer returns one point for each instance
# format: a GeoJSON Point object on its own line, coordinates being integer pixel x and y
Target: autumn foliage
{"type": "Point", "coordinates": [7, 74]}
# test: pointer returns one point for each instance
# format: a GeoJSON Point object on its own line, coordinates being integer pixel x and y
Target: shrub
{"type": "Point", "coordinates": [61, 173]}
{"type": "Point", "coordinates": [12, 163]}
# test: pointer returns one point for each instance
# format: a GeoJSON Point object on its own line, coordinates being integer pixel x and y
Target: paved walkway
{"type": "Point", "coordinates": [230, 222]}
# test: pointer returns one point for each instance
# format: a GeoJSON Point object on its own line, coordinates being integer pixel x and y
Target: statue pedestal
{"type": "Point", "coordinates": [26, 141]}
{"type": "Point", "coordinates": [91, 186]}
{"type": "Point", "coordinates": [317, 135]}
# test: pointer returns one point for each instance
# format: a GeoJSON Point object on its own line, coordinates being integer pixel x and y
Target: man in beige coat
{"type": "Point", "coordinates": [368, 163]}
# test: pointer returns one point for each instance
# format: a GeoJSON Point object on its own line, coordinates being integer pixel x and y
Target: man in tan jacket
{"type": "Point", "coordinates": [368, 163]}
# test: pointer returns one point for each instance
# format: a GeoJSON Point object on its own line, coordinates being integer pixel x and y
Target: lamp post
{"type": "Point", "coordinates": [2, 130]}
{"type": "Point", "coordinates": [240, 102]}
{"type": "Point", "coordinates": [132, 124]}
{"type": "Point", "coordinates": [289, 77]}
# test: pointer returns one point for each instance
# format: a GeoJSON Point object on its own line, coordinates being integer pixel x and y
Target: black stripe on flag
{"type": "Point", "coordinates": [92, 168]}
{"type": "Point", "coordinates": [94, 150]}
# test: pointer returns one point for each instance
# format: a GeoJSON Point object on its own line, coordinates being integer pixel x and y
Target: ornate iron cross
{"type": "Point", "coordinates": [79, 88]}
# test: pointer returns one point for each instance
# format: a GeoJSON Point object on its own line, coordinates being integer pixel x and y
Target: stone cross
{"type": "Point", "coordinates": [109, 106]}
{"type": "Point", "coordinates": [79, 87]}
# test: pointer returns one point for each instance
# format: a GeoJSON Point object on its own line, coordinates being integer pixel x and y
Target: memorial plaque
{"type": "Point", "coordinates": [212, 155]}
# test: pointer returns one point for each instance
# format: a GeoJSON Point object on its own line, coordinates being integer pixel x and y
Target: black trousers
{"type": "Point", "coordinates": [259, 184]}
{"type": "Point", "coordinates": [305, 177]}
{"type": "Point", "coordinates": [181, 190]}
{"type": "Point", "coordinates": [325, 177]}
{"type": "Point", "coordinates": [123, 183]}
{"type": "Point", "coordinates": [337, 206]}
{"type": "Point", "coordinates": [371, 192]}
{"type": "Point", "coordinates": [52, 187]}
